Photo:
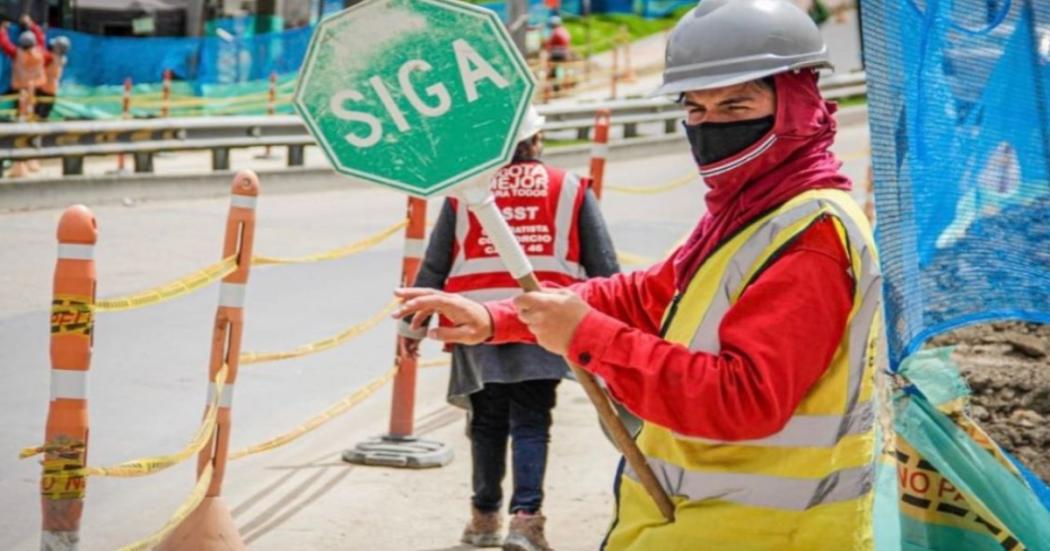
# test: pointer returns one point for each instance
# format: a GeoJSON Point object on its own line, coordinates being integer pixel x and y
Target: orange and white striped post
{"type": "Point", "coordinates": [125, 113]}
{"type": "Point", "coordinates": [399, 447]}
{"type": "Point", "coordinates": [271, 102]}
{"type": "Point", "coordinates": [66, 433]}
{"type": "Point", "coordinates": [165, 95]}
{"type": "Point", "coordinates": [211, 527]}
{"type": "Point", "coordinates": [615, 70]}
{"type": "Point", "coordinates": [599, 150]}
{"type": "Point", "coordinates": [402, 407]}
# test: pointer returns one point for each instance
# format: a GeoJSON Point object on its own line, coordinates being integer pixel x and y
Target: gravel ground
{"type": "Point", "coordinates": [1008, 367]}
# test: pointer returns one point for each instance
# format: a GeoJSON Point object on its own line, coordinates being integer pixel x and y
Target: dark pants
{"type": "Point", "coordinates": [521, 411]}
{"type": "Point", "coordinates": [44, 103]}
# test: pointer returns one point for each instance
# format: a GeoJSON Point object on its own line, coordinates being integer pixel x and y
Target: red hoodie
{"type": "Point", "coordinates": [779, 337]}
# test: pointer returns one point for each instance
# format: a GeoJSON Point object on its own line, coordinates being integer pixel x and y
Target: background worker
{"type": "Point", "coordinates": [28, 58]}
{"type": "Point", "coordinates": [559, 51]}
{"type": "Point", "coordinates": [748, 354]}
{"type": "Point", "coordinates": [28, 74]}
{"type": "Point", "coordinates": [510, 388]}
{"type": "Point", "coordinates": [53, 67]}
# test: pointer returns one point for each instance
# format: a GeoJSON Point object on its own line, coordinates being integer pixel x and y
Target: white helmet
{"type": "Point", "coordinates": [532, 124]}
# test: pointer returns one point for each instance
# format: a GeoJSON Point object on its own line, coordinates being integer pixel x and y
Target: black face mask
{"type": "Point", "coordinates": [713, 141]}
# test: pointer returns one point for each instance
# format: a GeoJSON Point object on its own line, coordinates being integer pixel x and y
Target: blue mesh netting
{"type": "Point", "coordinates": [959, 95]}
{"type": "Point", "coordinates": [107, 60]}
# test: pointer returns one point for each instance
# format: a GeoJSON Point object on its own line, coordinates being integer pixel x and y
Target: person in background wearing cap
{"type": "Point", "coordinates": [53, 67]}
{"type": "Point", "coordinates": [510, 388]}
{"type": "Point", "coordinates": [28, 73]}
{"type": "Point", "coordinates": [749, 353]}
{"type": "Point", "coordinates": [28, 58]}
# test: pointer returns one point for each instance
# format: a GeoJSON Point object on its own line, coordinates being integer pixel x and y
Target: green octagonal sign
{"type": "Point", "coordinates": [418, 95]}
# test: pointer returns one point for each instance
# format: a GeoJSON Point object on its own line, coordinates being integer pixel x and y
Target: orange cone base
{"type": "Point", "coordinates": [208, 528]}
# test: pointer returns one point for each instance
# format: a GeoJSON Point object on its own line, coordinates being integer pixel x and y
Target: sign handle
{"type": "Point", "coordinates": [481, 202]}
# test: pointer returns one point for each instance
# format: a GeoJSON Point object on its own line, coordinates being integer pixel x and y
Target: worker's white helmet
{"type": "Point", "coordinates": [532, 124]}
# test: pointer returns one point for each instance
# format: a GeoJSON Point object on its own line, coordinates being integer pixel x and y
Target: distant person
{"type": "Point", "coordinates": [53, 68]}
{"type": "Point", "coordinates": [28, 59]}
{"type": "Point", "coordinates": [510, 389]}
{"type": "Point", "coordinates": [559, 44]}
{"type": "Point", "coordinates": [559, 50]}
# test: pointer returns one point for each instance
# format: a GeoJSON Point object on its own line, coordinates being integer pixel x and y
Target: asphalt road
{"type": "Point", "coordinates": [148, 377]}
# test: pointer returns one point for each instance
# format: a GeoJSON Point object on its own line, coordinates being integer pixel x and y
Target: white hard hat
{"type": "Point", "coordinates": [532, 124]}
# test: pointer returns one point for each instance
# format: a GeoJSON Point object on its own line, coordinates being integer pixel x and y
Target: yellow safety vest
{"type": "Point", "coordinates": [805, 488]}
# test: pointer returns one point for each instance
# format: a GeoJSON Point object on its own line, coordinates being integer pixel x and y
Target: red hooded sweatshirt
{"type": "Point", "coordinates": [779, 337]}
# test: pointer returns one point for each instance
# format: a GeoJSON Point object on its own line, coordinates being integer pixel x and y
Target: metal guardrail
{"type": "Point", "coordinates": [72, 141]}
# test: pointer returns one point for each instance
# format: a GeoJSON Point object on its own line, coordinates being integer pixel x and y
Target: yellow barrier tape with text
{"type": "Point", "coordinates": [168, 291]}
{"type": "Point", "coordinates": [333, 254]}
{"type": "Point", "coordinates": [248, 358]}
{"type": "Point", "coordinates": [340, 407]}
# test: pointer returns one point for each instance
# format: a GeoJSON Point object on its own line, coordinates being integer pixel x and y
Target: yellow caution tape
{"type": "Point", "coordinates": [333, 254]}
{"type": "Point", "coordinates": [647, 190]}
{"type": "Point", "coordinates": [52, 447]}
{"type": "Point", "coordinates": [436, 362]}
{"type": "Point", "coordinates": [192, 502]}
{"type": "Point", "coordinates": [175, 289]}
{"type": "Point", "coordinates": [248, 358]}
{"type": "Point", "coordinates": [150, 465]}
{"type": "Point", "coordinates": [340, 407]}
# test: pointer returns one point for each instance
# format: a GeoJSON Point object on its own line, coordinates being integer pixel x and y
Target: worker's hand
{"type": "Point", "coordinates": [552, 316]}
{"type": "Point", "coordinates": [408, 348]}
{"type": "Point", "coordinates": [471, 323]}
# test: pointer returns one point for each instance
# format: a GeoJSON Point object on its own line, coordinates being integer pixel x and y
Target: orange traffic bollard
{"type": "Point", "coordinates": [402, 407]}
{"type": "Point", "coordinates": [271, 104]}
{"type": "Point", "coordinates": [615, 70]}
{"type": "Point", "coordinates": [165, 95]}
{"type": "Point", "coordinates": [599, 150]}
{"type": "Point", "coordinates": [125, 110]}
{"type": "Point", "coordinates": [66, 435]}
{"type": "Point", "coordinates": [399, 448]}
{"type": "Point", "coordinates": [211, 527]}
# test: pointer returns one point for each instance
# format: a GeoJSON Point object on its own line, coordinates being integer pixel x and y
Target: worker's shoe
{"type": "Point", "coordinates": [482, 530]}
{"type": "Point", "coordinates": [526, 533]}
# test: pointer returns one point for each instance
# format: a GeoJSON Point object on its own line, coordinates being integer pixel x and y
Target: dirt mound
{"type": "Point", "coordinates": [1008, 367]}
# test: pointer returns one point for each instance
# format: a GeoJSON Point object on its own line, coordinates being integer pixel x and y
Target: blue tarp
{"type": "Point", "coordinates": [959, 93]}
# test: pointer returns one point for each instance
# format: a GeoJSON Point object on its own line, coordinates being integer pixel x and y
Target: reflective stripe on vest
{"type": "Point", "coordinates": [821, 459]}
{"type": "Point", "coordinates": [469, 268]}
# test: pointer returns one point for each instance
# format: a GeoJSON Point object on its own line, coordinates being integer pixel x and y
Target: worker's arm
{"type": "Point", "coordinates": [41, 40]}
{"type": "Point", "coordinates": [597, 253]}
{"type": "Point", "coordinates": [775, 342]}
{"type": "Point", "coordinates": [637, 299]}
{"type": "Point", "coordinates": [6, 45]}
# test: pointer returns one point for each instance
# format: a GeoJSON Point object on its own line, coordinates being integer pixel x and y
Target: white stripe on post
{"type": "Point", "coordinates": [414, 248]}
{"type": "Point", "coordinates": [231, 295]}
{"type": "Point", "coordinates": [599, 150]}
{"type": "Point", "coordinates": [71, 251]}
{"type": "Point", "coordinates": [243, 201]}
{"type": "Point", "coordinates": [68, 383]}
